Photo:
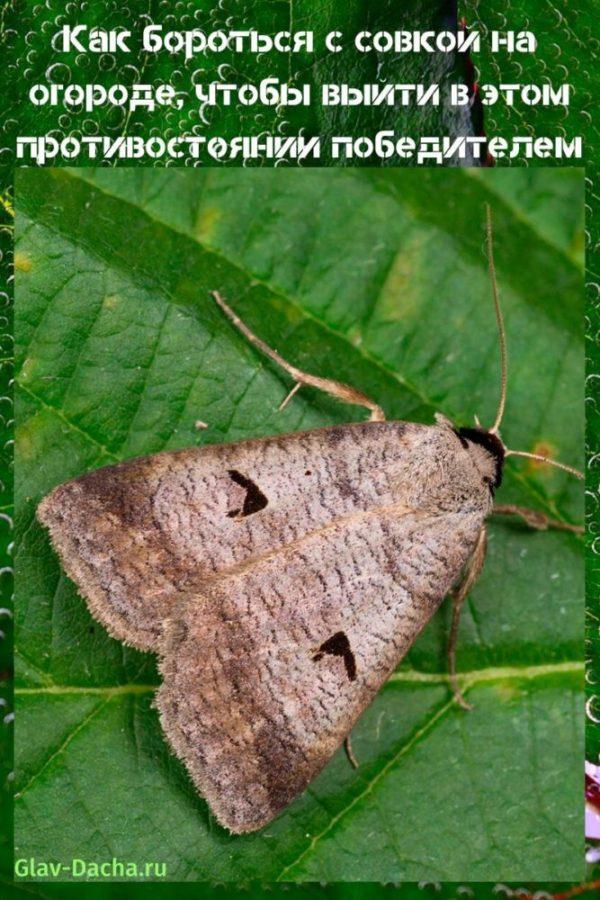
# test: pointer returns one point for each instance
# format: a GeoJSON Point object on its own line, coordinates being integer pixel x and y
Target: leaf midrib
{"type": "Point", "coordinates": [467, 679]}
{"type": "Point", "coordinates": [94, 250]}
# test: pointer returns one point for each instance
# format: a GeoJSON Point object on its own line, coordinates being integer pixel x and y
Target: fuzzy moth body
{"type": "Point", "coordinates": [279, 580]}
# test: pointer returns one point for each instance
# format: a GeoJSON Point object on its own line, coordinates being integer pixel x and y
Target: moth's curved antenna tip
{"type": "Point", "coordinates": [218, 299]}
{"type": "Point", "coordinates": [233, 317]}
{"type": "Point", "coordinates": [499, 320]}
{"type": "Point", "coordinates": [545, 459]}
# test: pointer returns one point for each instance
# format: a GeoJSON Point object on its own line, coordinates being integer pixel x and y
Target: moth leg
{"type": "Point", "coordinates": [334, 388]}
{"type": "Point", "coordinates": [535, 519]}
{"type": "Point", "coordinates": [291, 394]}
{"type": "Point", "coordinates": [351, 757]}
{"type": "Point", "coordinates": [470, 575]}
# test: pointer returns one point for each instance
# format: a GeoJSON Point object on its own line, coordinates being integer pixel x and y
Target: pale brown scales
{"type": "Point", "coordinates": [135, 535]}
{"type": "Point", "coordinates": [244, 663]}
{"type": "Point", "coordinates": [364, 530]}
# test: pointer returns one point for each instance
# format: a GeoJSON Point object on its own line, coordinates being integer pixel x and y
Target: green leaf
{"type": "Point", "coordinates": [378, 279]}
{"type": "Point", "coordinates": [565, 33]}
{"type": "Point", "coordinates": [359, 891]}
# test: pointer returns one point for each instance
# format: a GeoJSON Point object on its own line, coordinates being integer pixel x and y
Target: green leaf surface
{"type": "Point", "coordinates": [566, 52]}
{"type": "Point", "coordinates": [430, 890]}
{"type": "Point", "coordinates": [378, 279]}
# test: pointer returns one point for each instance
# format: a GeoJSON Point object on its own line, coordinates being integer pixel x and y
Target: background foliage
{"type": "Point", "coordinates": [379, 279]}
{"type": "Point", "coordinates": [563, 19]}
{"type": "Point", "coordinates": [28, 27]}
{"type": "Point", "coordinates": [567, 52]}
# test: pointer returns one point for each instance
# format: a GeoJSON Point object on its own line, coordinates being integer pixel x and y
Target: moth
{"type": "Point", "coordinates": [282, 580]}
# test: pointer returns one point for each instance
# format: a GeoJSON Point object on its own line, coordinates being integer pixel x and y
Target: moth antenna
{"type": "Point", "coordinates": [499, 320]}
{"type": "Point", "coordinates": [504, 359]}
{"type": "Point", "coordinates": [545, 459]}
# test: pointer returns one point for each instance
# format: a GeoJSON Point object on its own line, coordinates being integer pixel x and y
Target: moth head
{"type": "Point", "coordinates": [485, 445]}
{"type": "Point", "coordinates": [488, 453]}
{"type": "Point", "coordinates": [490, 438]}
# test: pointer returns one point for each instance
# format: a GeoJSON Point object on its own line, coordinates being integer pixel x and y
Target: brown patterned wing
{"type": "Point", "coordinates": [135, 535]}
{"type": "Point", "coordinates": [267, 668]}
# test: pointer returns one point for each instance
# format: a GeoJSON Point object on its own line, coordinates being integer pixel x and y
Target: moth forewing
{"type": "Point", "coordinates": [268, 667]}
{"type": "Point", "coordinates": [134, 536]}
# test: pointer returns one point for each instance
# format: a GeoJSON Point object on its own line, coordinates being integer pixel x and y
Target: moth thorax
{"type": "Point", "coordinates": [487, 451]}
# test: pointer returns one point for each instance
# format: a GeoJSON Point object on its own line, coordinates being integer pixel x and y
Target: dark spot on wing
{"type": "Point", "coordinates": [347, 489]}
{"type": "Point", "coordinates": [338, 645]}
{"type": "Point", "coordinates": [254, 500]}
